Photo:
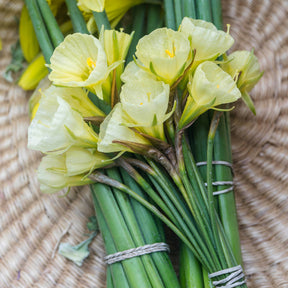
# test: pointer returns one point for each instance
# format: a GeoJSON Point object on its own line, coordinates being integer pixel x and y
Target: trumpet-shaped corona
{"type": "Point", "coordinates": [146, 104]}
{"type": "Point", "coordinates": [165, 53]}
{"type": "Point", "coordinates": [80, 61]}
{"type": "Point", "coordinates": [114, 128]}
{"type": "Point", "coordinates": [209, 87]}
{"type": "Point", "coordinates": [52, 175]}
{"type": "Point", "coordinates": [56, 127]}
{"type": "Point", "coordinates": [208, 42]}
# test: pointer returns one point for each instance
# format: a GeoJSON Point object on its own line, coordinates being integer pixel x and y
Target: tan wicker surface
{"type": "Point", "coordinates": [31, 224]}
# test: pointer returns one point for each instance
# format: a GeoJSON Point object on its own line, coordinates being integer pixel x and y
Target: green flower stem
{"type": "Point", "coordinates": [170, 14]}
{"type": "Point", "coordinates": [101, 19]}
{"type": "Point", "coordinates": [203, 9]}
{"type": "Point", "coordinates": [211, 136]}
{"type": "Point", "coordinates": [138, 27]}
{"type": "Point", "coordinates": [227, 207]}
{"type": "Point", "coordinates": [135, 231]}
{"type": "Point", "coordinates": [191, 243]}
{"type": "Point", "coordinates": [78, 22]}
{"type": "Point", "coordinates": [40, 29]}
{"type": "Point", "coordinates": [189, 8]}
{"type": "Point", "coordinates": [154, 18]}
{"type": "Point", "coordinates": [153, 232]}
{"type": "Point", "coordinates": [190, 270]}
{"type": "Point", "coordinates": [116, 270]}
{"type": "Point", "coordinates": [51, 23]}
{"type": "Point", "coordinates": [178, 13]}
{"type": "Point", "coordinates": [134, 268]}
{"type": "Point", "coordinates": [217, 13]}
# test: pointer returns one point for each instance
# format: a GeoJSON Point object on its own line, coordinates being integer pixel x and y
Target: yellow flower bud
{"type": "Point", "coordinates": [56, 127]}
{"type": "Point", "coordinates": [27, 36]}
{"type": "Point", "coordinates": [33, 74]}
{"type": "Point", "coordinates": [146, 103]}
{"type": "Point", "coordinates": [209, 87]}
{"type": "Point", "coordinates": [166, 53]}
{"type": "Point", "coordinates": [209, 42]}
{"type": "Point", "coordinates": [113, 128]}
{"type": "Point", "coordinates": [52, 175]}
{"type": "Point", "coordinates": [245, 68]}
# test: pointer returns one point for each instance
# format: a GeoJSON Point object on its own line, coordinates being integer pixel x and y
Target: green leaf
{"type": "Point", "coordinates": [16, 62]}
{"type": "Point", "coordinates": [77, 253]}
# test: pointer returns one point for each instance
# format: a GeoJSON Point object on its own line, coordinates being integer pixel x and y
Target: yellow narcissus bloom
{"type": "Point", "coordinates": [146, 104]}
{"type": "Point", "coordinates": [115, 9]}
{"type": "Point", "coordinates": [209, 87]}
{"type": "Point", "coordinates": [113, 128]}
{"type": "Point", "coordinates": [93, 5]}
{"type": "Point", "coordinates": [27, 36]}
{"type": "Point", "coordinates": [80, 61]}
{"type": "Point", "coordinates": [52, 175]}
{"type": "Point", "coordinates": [245, 68]}
{"type": "Point", "coordinates": [116, 44]}
{"type": "Point", "coordinates": [56, 127]}
{"type": "Point", "coordinates": [132, 72]}
{"type": "Point", "coordinates": [77, 98]}
{"type": "Point", "coordinates": [33, 74]}
{"type": "Point", "coordinates": [80, 160]}
{"type": "Point", "coordinates": [209, 42]}
{"type": "Point", "coordinates": [166, 53]}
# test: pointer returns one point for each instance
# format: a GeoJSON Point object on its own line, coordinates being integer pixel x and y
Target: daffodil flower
{"type": "Point", "coordinates": [165, 53]}
{"type": "Point", "coordinates": [146, 102]}
{"type": "Point", "coordinates": [80, 61]}
{"type": "Point", "coordinates": [52, 175]}
{"type": "Point", "coordinates": [113, 128]}
{"type": "Point", "coordinates": [133, 72]}
{"type": "Point", "coordinates": [208, 42]}
{"type": "Point", "coordinates": [115, 9]}
{"type": "Point", "coordinates": [56, 127]}
{"type": "Point", "coordinates": [209, 87]}
{"type": "Point", "coordinates": [244, 67]}
{"type": "Point", "coordinates": [77, 98]}
{"type": "Point", "coordinates": [81, 161]}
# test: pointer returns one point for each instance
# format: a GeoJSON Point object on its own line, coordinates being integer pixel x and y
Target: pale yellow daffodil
{"type": "Point", "coordinates": [114, 9]}
{"type": "Point", "coordinates": [52, 175]}
{"type": "Point", "coordinates": [244, 67]}
{"type": "Point", "coordinates": [56, 127]}
{"type": "Point", "coordinates": [80, 61]}
{"type": "Point", "coordinates": [80, 160]}
{"type": "Point", "coordinates": [165, 53]}
{"type": "Point", "coordinates": [209, 87]}
{"type": "Point", "coordinates": [208, 42]}
{"type": "Point", "coordinates": [77, 98]}
{"type": "Point", "coordinates": [113, 128]}
{"type": "Point", "coordinates": [133, 72]}
{"type": "Point", "coordinates": [146, 103]}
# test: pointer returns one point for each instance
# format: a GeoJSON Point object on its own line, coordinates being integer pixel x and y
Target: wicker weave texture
{"type": "Point", "coordinates": [32, 224]}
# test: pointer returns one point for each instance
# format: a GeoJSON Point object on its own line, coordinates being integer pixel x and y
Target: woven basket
{"type": "Point", "coordinates": [33, 224]}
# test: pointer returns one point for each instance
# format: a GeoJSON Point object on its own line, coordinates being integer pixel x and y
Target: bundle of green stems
{"type": "Point", "coordinates": [207, 227]}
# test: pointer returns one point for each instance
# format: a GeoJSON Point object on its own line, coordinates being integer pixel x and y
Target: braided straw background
{"type": "Point", "coordinates": [31, 224]}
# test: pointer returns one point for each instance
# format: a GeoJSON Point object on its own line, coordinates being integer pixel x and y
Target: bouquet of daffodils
{"type": "Point", "coordinates": [133, 129]}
